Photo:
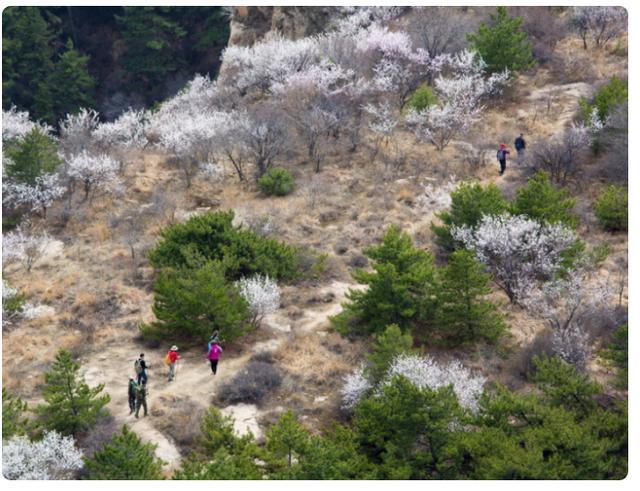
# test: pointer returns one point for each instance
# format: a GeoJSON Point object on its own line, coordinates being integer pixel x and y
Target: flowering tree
{"type": "Point", "coordinates": [16, 124]}
{"type": "Point", "coordinates": [382, 124]}
{"type": "Point", "coordinates": [600, 23]}
{"type": "Point", "coordinates": [77, 132]}
{"type": "Point", "coordinates": [53, 457]}
{"type": "Point", "coordinates": [128, 131]}
{"type": "Point", "coordinates": [425, 372]}
{"type": "Point", "coordinates": [122, 135]}
{"type": "Point", "coordinates": [516, 250]}
{"type": "Point", "coordinates": [95, 173]}
{"type": "Point", "coordinates": [267, 62]}
{"type": "Point", "coordinates": [21, 246]}
{"type": "Point", "coordinates": [262, 294]}
{"type": "Point", "coordinates": [565, 304]}
{"type": "Point", "coordinates": [263, 134]}
{"type": "Point", "coordinates": [460, 93]}
{"type": "Point", "coordinates": [355, 386]}
{"type": "Point", "coordinates": [37, 197]}
{"type": "Point", "coordinates": [194, 140]}
{"type": "Point", "coordinates": [422, 372]}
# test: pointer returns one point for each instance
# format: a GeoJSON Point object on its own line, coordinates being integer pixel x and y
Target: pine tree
{"type": "Point", "coordinates": [503, 44]}
{"type": "Point", "coordinates": [543, 201]}
{"type": "Point", "coordinates": [217, 433]}
{"type": "Point", "coordinates": [191, 303]}
{"type": "Point", "coordinates": [71, 85]}
{"type": "Point", "coordinates": [27, 61]}
{"type": "Point", "coordinates": [463, 314]}
{"type": "Point", "coordinates": [125, 457]}
{"type": "Point", "coordinates": [386, 347]}
{"type": "Point", "coordinates": [400, 288]}
{"type": "Point", "coordinates": [30, 157]}
{"type": "Point", "coordinates": [71, 405]}
{"type": "Point", "coordinates": [617, 353]}
{"type": "Point", "coordinates": [13, 420]}
{"type": "Point", "coordinates": [285, 441]}
{"type": "Point", "coordinates": [153, 43]}
{"type": "Point", "coordinates": [469, 202]}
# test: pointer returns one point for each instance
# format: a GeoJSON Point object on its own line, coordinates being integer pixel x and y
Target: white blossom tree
{"type": "Point", "coordinates": [37, 197]}
{"type": "Point", "coordinates": [22, 246]}
{"type": "Point", "coordinates": [267, 62]}
{"type": "Point", "coordinates": [517, 251]}
{"type": "Point", "coordinates": [421, 371]}
{"type": "Point", "coordinates": [382, 124]}
{"type": "Point", "coordinates": [264, 135]}
{"type": "Point", "coordinates": [565, 304]}
{"type": "Point", "coordinates": [53, 457]}
{"type": "Point", "coordinates": [95, 172]}
{"type": "Point", "coordinates": [16, 124]}
{"type": "Point", "coordinates": [262, 294]}
{"type": "Point", "coordinates": [460, 93]}
{"type": "Point", "coordinates": [77, 132]}
{"type": "Point", "coordinates": [355, 386]}
{"type": "Point", "coordinates": [127, 132]}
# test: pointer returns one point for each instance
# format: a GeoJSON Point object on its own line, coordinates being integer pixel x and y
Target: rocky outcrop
{"type": "Point", "coordinates": [250, 24]}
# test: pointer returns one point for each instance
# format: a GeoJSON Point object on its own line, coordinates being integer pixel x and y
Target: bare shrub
{"type": "Point", "coordinates": [544, 30]}
{"type": "Point", "coordinates": [613, 143]}
{"type": "Point", "coordinates": [252, 384]}
{"type": "Point", "coordinates": [575, 68]}
{"type": "Point", "coordinates": [98, 435]}
{"type": "Point", "coordinates": [561, 156]}
{"type": "Point", "coordinates": [539, 346]}
{"type": "Point", "coordinates": [439, 30]}
{"type": "Point", "coordinates": [315, 191]}
{"type": "Point", "coordinates": [180, 419]}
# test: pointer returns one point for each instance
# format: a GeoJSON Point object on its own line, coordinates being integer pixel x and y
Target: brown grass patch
{"type": "Point", "coordinates": [316, 360]}
{"type": "Point", "coordinates": [99, 232]}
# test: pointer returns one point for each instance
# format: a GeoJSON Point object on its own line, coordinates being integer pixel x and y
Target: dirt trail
{"type": "Point", "coordinates": [113, 365]}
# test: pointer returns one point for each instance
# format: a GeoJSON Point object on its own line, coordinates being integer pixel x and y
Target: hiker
{"type": "Point", "coordinates": [141, 398]}
{"type": "Point", "coordinates": [215, 338]}
{"type": "Point", "coordinates": [502, 157]}
{"type": "Point", "coordinates": [520, 145]}
{"type": "Point", "coordinates": [141, 369]}
{"type": "Point", "coordinates": [171, 360]}
{"type": "Point", "coordinates": [214, 354]}
{"type": "Point", "coordinates": [133, 387]}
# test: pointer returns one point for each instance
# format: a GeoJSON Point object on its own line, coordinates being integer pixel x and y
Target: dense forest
{"type": "Point", "coordinates": [58, 59]}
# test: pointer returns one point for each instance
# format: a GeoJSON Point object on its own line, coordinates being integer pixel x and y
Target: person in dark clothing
{"type": "Point", "coordinates": [502, 157]}
{"type": "Point", "coordinates": [141, 398]}
{"type": "Point", "coordinates": [520, 145]}
{"type": "Point", "coordinates": [141, 369]}
{"type": "Point", "coordinates": [133, 387]}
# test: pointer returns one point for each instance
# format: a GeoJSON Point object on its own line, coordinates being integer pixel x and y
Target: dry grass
{"type": "Point", "coordinates": [179, 418]}
{"type": "Point", "coordinates": [317, 360]}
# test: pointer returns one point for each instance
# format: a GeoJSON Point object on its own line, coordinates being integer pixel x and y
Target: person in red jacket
{"type": "Point", "coordinates": [172, 360]}
{"type": "Point", "coordinates": [502, 157]}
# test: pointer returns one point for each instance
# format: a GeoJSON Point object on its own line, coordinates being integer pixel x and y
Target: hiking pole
{"type": "Point", "coordinates": [175, 376]}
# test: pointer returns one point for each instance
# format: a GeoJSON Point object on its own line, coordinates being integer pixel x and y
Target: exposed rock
{"type": "Point", "coordinates": [251, 24]}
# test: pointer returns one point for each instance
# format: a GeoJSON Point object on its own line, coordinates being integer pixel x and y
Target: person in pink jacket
{"type": "Point", "coordinates": [214, 355]}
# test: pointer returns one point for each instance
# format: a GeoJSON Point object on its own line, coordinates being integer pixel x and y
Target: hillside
{"type": "Point", "coordinates": [361, 164]}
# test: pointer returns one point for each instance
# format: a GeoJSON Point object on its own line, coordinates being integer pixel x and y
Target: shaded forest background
{"type": "Point", "coordinates": [57, 59]}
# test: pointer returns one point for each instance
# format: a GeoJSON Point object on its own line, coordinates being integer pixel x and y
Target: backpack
{"type": "Point", "coordinates": [138, 366]}
{"type": "Point", "coordinates": [500, 155]}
